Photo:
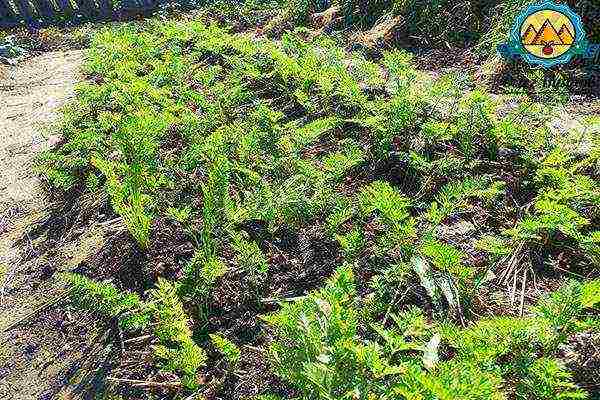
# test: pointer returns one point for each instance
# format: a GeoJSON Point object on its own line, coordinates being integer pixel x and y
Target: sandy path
{"type": "Point", "coordinates": [37, 358]}
{"type": "Point", "coordinates": [29, 97]}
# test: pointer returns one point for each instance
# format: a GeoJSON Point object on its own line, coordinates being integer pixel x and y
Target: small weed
{"type": "Point", "coordinates": [110, 302]}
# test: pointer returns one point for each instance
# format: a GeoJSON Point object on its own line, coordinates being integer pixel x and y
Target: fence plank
{"type": "Point", "coordinates": [46, 10]}
{"type": "Point", "coordinates": [28, 14]}
{"type": "Point", "coordinates": [138, 5]}
{"type": "Point", "coordinates": [82, 10]}
{"type": "Point", "coordinates": [36, 13]}
{"type": "Point", "coordinates": [106, 8]}
{"type": "Point", "coordinates": [6, 24]}
{"type": "Point", "coordinates": [65, 8]}
{"type": "Point", "coordinates": [89, 8]}
{"type": "Point", "coordinates": [6, 12]}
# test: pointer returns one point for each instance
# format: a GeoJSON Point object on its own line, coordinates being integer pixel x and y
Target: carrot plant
{"type": "Point", "coordinates": [177, 351]}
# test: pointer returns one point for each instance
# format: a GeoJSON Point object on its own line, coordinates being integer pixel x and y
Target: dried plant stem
{"type": "Point", "coordinates": [523, 284]}
{"type": "Point", "coordinates": [137, 339]}
{"type": "Point", "coordinates": [139, 383]}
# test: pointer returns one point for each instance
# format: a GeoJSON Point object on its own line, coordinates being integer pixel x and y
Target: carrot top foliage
{"type": "Point", "coordinates": [433, 195]}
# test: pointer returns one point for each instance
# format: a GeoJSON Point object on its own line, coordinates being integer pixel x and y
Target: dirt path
{"type": "Point", "coordinates": [30, 95]}
{"type": "Point", "coordinates": [41, 348]}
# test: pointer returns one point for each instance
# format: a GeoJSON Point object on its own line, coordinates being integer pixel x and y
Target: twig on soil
{"type": "Point", "coordinates": [113, 224]}
{"type": "Point", "coordinates": [119, 335]}
{"type": "Point", "coordinates": [387, 313]}
{"type": "Point", "coordinates": [284, 300]}
{"type": "Point", "coordinates": [513, 292]}
{"type": "Point", "coordinates": [257, 349]}
{"type": "Point", "coordinates": [138, 352]}
{"type": "Point", "coordinates": [594, 385]}
{"type": "Point", "coordinates": [534, 278]}
{"type": "Point", "coordinates": [138, 383]}
{"type": "Point", "coordinates": [31, 245]}
{"type": "Point", "coordinates": [461, 315]}
{"type": "Point", "coordinates": [568, 272]}
{"type": "Point", "coordinates": [137, 339]}
{"type": "Point", "coordinates": [499, 287]}
{"type": "Point", "coordinates": [194, 396]}
{"type": "Point", "coordinates": [512, 263]}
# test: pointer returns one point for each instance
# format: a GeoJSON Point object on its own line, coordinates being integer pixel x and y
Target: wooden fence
{"type": "Point", "coordinates": [39, 13]}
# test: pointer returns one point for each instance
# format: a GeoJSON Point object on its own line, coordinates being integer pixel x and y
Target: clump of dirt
{"type": "Point", "coordinates": [581, 354]}
{"type": "Point", "coordinates": [299, 262]}
{"type": "Point", "coordinates": [121, 260]}
{"type": "Point", "coordinates": [257, 378]}
{"type": "Point", "coordinates": [170, 249]}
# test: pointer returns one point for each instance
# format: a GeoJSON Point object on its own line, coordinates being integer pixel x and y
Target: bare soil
{"type": "Point", "coordinates": [45, 349]}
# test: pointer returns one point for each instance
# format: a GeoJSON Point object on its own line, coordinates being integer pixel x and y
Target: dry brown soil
{"type": "Point", "coordinates": [42, 354]}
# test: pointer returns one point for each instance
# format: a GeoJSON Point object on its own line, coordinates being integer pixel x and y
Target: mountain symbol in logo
{"type": "Point", "coordinates": [565, 35]}
{"type": "Point", "coordinates": [529, 35]}
{"type": "Point", "coordinates": [547, 35]}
